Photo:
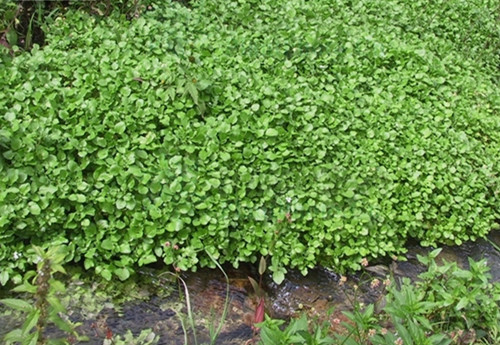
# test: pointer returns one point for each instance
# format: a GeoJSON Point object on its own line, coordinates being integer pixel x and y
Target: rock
{"type": "Point", "coordinates": [379, 270]}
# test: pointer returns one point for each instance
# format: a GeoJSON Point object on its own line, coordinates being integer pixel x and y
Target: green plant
{"type": "Point", "coordinates": [47, 308]}
{"type": "Point", "coordinates": [406, 309]}
{"type": "Point", "coordinates": [445, 304]}
{"type": "Point", "coordinates": [296, 332]}
{"type": "Point", "coordinates": [194, 126]}
{"type": "Point", "coordinates": [278, 272]}
{"type": "Point", "coordinates": [457, 298]}
{"type": "Point", "coordinates": [22, 22]}
{"type": "Point", "coordinates": [442, 307]}
{"type": "Point", "coordinates": [9, 11]}
{"type": "Point", "coordinates": [147, 337]}
{"type": "Point", "coordinates": [412, 334]}
{"type": "Point", "coordinates": [188, 319]}
{"type": "Point", "coordinates": [359, 331]}
{"type": "Point", "coordinates": [129, 8]}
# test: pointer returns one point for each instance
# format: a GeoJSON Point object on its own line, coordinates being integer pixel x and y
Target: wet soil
{"type": "Point", "coordinates": [154, 301]}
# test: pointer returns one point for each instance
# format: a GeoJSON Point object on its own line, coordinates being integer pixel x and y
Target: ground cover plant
{"type": "Point", "coordinates": [333, 130]}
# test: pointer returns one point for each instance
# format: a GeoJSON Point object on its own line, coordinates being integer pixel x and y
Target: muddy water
{"type": "Point", "coordinates": [153, 301]}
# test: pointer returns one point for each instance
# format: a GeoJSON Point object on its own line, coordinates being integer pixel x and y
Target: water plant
{"type": "Point", "coordinates": [193, 125]}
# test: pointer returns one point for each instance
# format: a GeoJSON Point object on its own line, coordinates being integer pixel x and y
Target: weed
{"type": "Point", "coordinates": [446, 305]}
{"type": "Point", "coordinates": [47, 308]}
{"type": "Point", "coordinates": [189, 318]}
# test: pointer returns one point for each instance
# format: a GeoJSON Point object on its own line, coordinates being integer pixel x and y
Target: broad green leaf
{"type": "Point", "coordinates": [175, 225]}
{"type": "Point", "coordinates": [348, 194]}
{"type": "Point", "coordinates": [259, 215]}
{"type": "Point", "coordinates": [278, 276]}
{"type": "Point", "coordinates": [106, 274]}
{"type": "Point", "coordinates": [122, 273]}
{"type": "Point", "coordinates": [34, 208]}
{"type": "Point", "coordinates": [271, 132]}
{"type": "Point", "coordinates": [9, 116]}
{"type": "Point", "coordinates": [120, 127]}
{"type": "Point", "coordinates": [107, 244]}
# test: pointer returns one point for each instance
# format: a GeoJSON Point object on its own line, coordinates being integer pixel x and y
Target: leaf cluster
{"type": "Point", "coordinates": [378, 121]}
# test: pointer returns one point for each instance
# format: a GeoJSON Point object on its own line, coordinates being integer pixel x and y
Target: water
{"type": "Point", "coordinates": [153, 301]}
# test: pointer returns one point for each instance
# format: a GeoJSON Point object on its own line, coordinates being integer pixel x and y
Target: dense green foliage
{"type": "Point", "coordinates": [378, 120]}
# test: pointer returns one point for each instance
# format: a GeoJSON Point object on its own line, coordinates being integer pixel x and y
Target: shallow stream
{"type": "Point", "coordinates": [153, 300]}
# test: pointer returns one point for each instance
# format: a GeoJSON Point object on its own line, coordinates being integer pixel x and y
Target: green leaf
{"type": "Point", "coordinates": [56, 304]}
{"type": "Point", "coordinates": [34, 208]}
{"type": "Point", "coordinates": [271, 132]}
{"type": "Point", "coordinates": [435, 253]}
{"type": "Point", "coordinates": [9, 116]}
{"type": "Point", "coordinates": [462, 303]}
{"type": "Point", "coordinates": [17, 304]}
{"type": "Point", "coordinates": [262, 265]}
{"type": "Point", "coordinates": [60, 323]}
{"type": "Point", "coordinates": [4, 277]}
{"type": "Point", "coordinates": [463, 274]}
{"type": "Point", "coordinates": [193, 92]}
{"type": "Point", "coordinates": [11, 36]}
{"type": "Point", "coordinates": [259, 215]}
{"type": "Point", "coordinates": [121, 204]}
{"type": "Point", "coordinates": [125, 91]}
{"type": "Point", "coordinates": [31, 321]}
{"type": "Point", "coordinates": [175, 225]}
{"type": "Point", "coordinates": [107, 244]}
{"type": "Point", "coordinates": [147, 259]}
{"type": "Point", "coordinates": [120, 127]}
{"type": "Point", "coordinates": [348, 194]}
{"type": "Point", "coordinates": [270, 336]}
{"type": "Point", "coordinates": [106, 274]}
{"type": "Point", "coordinates": [25, 287]}
{"type": "Point", "coordinates": [14, 336]}
{"type": "Point", "coordinates": [279, 276]}
{"type": "Point", "coordinates": [122, 273]}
